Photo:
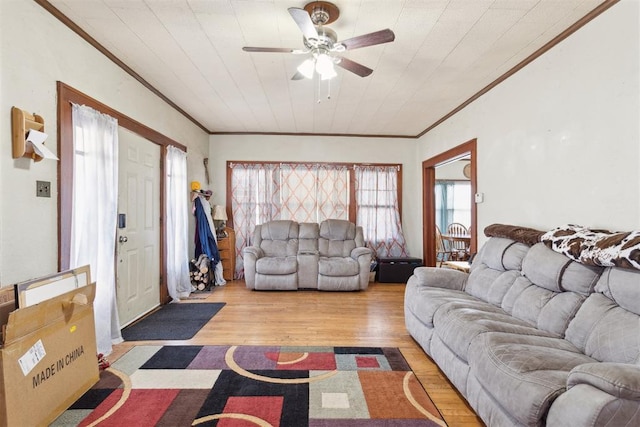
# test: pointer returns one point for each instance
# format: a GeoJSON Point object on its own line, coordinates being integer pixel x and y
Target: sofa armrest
{"type": "Point", "coordinates": [360, 251]}
{"type": "Point", "coordinates": [598, 394]}
{"type": "Point", "coordinates": [435, 277]}
{"type": "Point", "coordinates": [251, 255]}
{"type": "Point", "coordinates": [254, 251]}
{"type": "Point", "coordinates": [620, 380]}
{"type": "Point", "coordinates": [362, 255]}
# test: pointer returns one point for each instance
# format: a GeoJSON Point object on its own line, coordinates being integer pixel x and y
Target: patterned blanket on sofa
{"type": "Point", "coordinates": [596, 247]}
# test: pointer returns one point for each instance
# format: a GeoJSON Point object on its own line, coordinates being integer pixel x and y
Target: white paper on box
{"type": "Point", "coordinates": [31, 358]}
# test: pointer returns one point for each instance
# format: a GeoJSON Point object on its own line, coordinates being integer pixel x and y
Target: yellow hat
{"type": "Point", "coordinates": [195, 185]}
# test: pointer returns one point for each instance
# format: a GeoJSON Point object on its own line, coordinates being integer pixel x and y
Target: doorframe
{"type": "Point", "coordinates": [428, 198]}
{"type": "Point", "coordinates": [66, 96]}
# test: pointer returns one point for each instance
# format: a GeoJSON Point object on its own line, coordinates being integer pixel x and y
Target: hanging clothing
{"type": "Point", "coordinates": [206, 241]}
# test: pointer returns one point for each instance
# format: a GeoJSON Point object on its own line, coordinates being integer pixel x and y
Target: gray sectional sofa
{"type": "Point", "coordinates": [531, 337]}
{"type": "Point", "coordinates": [287, 255]}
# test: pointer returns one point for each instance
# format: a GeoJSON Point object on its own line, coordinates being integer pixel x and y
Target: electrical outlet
{"type": "Point", "coordinates": [43, 189]}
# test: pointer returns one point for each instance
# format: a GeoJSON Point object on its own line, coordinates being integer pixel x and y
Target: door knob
{"type": "Point", "coordinates": [123, 239]}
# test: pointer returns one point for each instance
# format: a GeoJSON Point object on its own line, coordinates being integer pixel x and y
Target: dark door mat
{"type": "Point", "coordinates": [177, 321]}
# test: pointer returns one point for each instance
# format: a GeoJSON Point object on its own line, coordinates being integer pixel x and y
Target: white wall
{"type": "Point", "coordinates": [36, 51]}
{"type": "Point", "coordinates": [559, 142]}
{"type": "Point", "coordinates": [224, 148]}
{"type": "Point", "coordinates": [452, 171]}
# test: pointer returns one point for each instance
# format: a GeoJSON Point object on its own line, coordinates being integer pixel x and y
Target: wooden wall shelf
{"type": "Point", "coordinates": [21, 123]}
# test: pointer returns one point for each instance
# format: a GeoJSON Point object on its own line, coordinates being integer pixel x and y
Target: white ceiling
{"type": "Point", "coordinates": [445, 52]}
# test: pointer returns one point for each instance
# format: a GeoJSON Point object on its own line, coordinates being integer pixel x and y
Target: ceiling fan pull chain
{"type": "Point", "coordinates": [319, 88]}
{"type": "Point", "coordinates": [329, 89]}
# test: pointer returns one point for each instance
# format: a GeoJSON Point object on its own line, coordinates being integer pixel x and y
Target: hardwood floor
{"type": "Point", "coordinates": [371, 318]}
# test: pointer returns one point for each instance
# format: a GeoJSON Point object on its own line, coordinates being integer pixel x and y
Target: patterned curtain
{"type": "Point", "coordinates": [299, 192]}
{"type": "Point", "coordinates": [377, 209]}
{"type": "Point", "coordinates": [313, 193]}
{"type": "Point", "coordinates": [252, 192]}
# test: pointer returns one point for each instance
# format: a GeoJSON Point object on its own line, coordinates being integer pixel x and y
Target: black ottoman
{"type": "Point", "coordinates": [396, 270]}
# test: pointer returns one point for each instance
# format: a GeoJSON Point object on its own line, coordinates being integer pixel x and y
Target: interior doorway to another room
{"type": "Point", "coordinates": [456, 167]}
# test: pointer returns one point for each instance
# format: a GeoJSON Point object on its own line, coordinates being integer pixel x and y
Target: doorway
{"type": "Point", "coordinates": [466, 150]}
{"type": "Point", "coordinates": [66, 96]}
{"type": "Point", "coordinates": [138, 239]}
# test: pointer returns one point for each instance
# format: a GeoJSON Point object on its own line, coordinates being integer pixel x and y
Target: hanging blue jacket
{"type": "Point", "coordinates": [205, 242]}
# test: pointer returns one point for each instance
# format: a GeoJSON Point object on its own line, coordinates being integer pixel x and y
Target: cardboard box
{"type": "Point", "coordinates": [48, 358]}
{"type": "Point", "coordinates": [7, 305]}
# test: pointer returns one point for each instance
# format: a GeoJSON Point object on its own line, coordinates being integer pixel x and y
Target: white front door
{"type": "Point", "coordinates": [138, 240]}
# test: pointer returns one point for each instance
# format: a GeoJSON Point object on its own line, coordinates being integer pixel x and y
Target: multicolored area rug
{"type": "Point", "coordinates": [256, 386]}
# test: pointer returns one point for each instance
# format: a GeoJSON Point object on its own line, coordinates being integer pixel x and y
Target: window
{"type": "Point", "coordinates": [453, 203]}
{"type": "Point", "coordinates": [378, 210]}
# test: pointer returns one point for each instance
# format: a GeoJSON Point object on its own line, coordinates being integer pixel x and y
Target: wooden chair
{"type": "Point", "coordinates": [443, 250]}
{"type": "Point", "coordinates": [459, 248]}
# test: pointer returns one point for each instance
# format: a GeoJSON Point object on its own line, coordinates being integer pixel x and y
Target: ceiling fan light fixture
{"type": "Point", "coordinates": [322, 42]}
{"type": "Point", "coordinates": [306, 68]}
{"type": "Point", "coordinates": [324, 66]}
{"type": "Point", "coordinates": [329, 74]}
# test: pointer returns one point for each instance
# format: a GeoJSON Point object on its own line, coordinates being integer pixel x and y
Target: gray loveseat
{"type": "Point", "coordinates": [531, 337]}
{"type": "Point", "coordinates": [286, 255]}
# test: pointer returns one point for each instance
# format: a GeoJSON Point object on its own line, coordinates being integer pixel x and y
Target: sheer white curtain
{"type": "Point", "coordinates": [177, 209]}
{"type": "Point", "coordinates": [93, 222]}
{"type": "Point", "coordinates": [377, 209]}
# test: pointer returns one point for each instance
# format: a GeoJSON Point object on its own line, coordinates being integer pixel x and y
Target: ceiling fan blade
{"type": "Point", "coordinates": [378, 37]}
{"type": "Point", "coordinates": [303, 20]}
{"type": "Point", "coordinates": [268, 49]}
{"type": "Point", "coordinates": [297, 76]}
{"type": "Point", "coordinates": [354, 67]}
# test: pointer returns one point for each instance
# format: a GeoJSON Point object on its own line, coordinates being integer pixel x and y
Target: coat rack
{"type": "Point", "coordinates": [21, 123]}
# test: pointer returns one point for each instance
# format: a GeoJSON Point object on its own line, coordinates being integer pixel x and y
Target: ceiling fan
{"type": "Point", "coordinates": [322, 42]}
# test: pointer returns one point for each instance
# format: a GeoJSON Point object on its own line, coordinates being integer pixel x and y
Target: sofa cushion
{"type": "Point", "coordinates": [423, 301]}
{"type": "Point", "coordinates": [542, 308]}
{"type": "Point", "coordinates": [605, 331]}
{"type": "Point", "coordinates": [622, 286]}
{"type": "Point", "coordinates": [337, 266]}
{"type": "Point", "coordinates": [556, 272]}
{"type": "Point", "coordinates": [337, 238]}
{"type": "Point", "coordinates": [308, 238]}
{"type": "Point", "coordinates": [457, 323]}
{"type": "Point", "coordinates": [549, 291]}
{"type": "Point", "coordinates": [523, 373]}
{"type": "Point", "coordinates": [490, 285]}
{"type": "Point", "coordinates": [277, 265]}
{"type": "Point", "coordinates": [278, 238]}
{"type": "Point", "coordinates": [503, 254]}
{"type": "Point", "coordinates": [496, 267]}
